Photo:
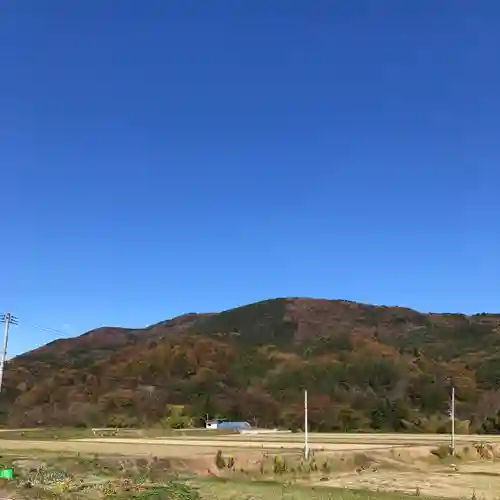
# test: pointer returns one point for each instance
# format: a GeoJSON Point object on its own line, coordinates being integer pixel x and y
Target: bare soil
{"type": "Point", "coordinates": [385, 463]}
{"type": "Point", "coordinates": [417, 471]}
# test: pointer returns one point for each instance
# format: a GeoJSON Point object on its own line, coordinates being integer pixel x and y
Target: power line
{"type": "Point", "coordinates": [8, 319]}
{"type": "Point", "coordinates": [46, 329]}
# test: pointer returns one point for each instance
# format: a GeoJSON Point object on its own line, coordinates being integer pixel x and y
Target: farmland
{"type": "Point", "coordinates": [393, 463]}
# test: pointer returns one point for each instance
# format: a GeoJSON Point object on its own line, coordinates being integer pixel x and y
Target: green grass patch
{"type": "Point", "coordinates": [220, 489]}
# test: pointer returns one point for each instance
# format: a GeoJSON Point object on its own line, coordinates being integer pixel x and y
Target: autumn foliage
{"type": "Point", "coordinates": [365, 367]}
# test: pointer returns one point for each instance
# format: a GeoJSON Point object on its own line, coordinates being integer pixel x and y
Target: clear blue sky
{"type": "Point", "coordinates": [161, 157]}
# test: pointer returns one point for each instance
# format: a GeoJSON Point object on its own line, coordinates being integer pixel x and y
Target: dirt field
{"type": "Point", "coordinates": [366, 438]}
{"type": "Point", "coordinates": [444, 483]}
{"type": "Point", "coordinates": [239, 444]}
{"type": "Point", "coordinates": [377, 462]}
{"type": "Point", "coordinates": [182, 445]}
{"type": "Point", "coordinates": [415, 471]}
{"type": "Point", "coordinates": [135, 448]}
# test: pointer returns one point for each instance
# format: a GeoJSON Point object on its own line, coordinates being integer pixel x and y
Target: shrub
{"type": "Point", "coordinates": [220, 462]}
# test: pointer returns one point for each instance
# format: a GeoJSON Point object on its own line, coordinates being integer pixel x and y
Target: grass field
{"type": "Point", "coordinates": [239, 490]}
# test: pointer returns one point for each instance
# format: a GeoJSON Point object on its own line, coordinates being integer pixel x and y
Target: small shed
{"type": "Point", "coordinates": [223, 423]}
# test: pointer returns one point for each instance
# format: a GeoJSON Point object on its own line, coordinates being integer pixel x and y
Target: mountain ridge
{"type": "Point", "coordinates": [182, 319]}
{"type": "Point", "coordinates": [366, 367]}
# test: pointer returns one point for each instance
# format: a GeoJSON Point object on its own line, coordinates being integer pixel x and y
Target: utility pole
{"type": "Point", "coordinates": [8, 319]}
{"type": "Point", "coordinates": [306, 428]}
{"type": "Point", "coordinates": [452, 415]}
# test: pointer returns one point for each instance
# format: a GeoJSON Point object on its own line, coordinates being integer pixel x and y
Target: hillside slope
{"type": "Point", "coordinates": [366, 367]}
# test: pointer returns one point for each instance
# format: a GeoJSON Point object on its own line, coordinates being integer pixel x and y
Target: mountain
{"type": "Point", "coordinates": [366, 367]}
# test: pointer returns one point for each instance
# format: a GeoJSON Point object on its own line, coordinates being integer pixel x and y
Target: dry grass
{"type": "Point", "coordinates": [49, 433]}
{"type": "Point", "coordinates": [371, 465]}
{"type": "Point", "coordinates": [79, 477]}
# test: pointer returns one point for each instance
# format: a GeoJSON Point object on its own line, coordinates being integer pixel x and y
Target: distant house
{"type": "Point", "coordinates": [224, 423]}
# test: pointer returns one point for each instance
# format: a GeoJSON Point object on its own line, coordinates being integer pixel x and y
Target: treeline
{"type": "Point", "coordinates": [363, 386]}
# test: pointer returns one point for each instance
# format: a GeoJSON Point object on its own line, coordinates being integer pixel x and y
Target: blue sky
{"type": "Point", "coordinates": [165, 157]}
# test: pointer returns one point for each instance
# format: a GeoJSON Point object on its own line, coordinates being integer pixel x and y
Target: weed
{"type": "Point", "coordinates": [279, 465]}
{"type": "Point", "coordinates": [171, 491]}
{"type": "Point", "coordinates": [325, 467]}
{"type": "Point", "coordinates": [262, 467]}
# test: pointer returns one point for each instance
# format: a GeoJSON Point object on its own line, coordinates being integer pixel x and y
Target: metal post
{"type": "Point", "coordinates": [453, 420]}
{"type": "Point", "coordinates": [306, 428]}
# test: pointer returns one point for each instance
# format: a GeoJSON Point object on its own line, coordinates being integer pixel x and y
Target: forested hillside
{"type": "Point", "coordinates": [366, 367]}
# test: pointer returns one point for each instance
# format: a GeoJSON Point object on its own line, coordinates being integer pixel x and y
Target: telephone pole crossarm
{"type": "Point", "coordinates": [7, 317]}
